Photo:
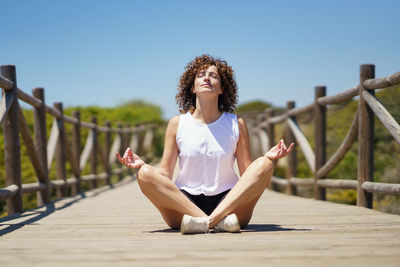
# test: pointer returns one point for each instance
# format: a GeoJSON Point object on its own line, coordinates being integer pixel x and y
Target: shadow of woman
{"type": "Point", "coordinates": [269, 228]}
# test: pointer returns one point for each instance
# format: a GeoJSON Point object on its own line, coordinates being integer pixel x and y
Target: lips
{"type": "Point", "coordinates": [206, 84]}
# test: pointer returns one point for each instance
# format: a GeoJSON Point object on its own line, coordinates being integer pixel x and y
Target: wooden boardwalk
{"type": "Point", "coordinates": [120, 227]}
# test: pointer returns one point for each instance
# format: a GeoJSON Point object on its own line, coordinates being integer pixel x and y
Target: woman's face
{"type": "Point", "coordinates": [208, 81]}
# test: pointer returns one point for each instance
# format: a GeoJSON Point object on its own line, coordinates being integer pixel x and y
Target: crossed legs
{"type": "Point", "coordinates": [173, 204]}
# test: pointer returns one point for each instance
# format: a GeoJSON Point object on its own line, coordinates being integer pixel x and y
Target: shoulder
{"type": "Point", "coordinates": [242, 126]}
{"type": "Point", "coordinates": [173, 124]}
{"type": "Point", "coordinates": [241, 123]}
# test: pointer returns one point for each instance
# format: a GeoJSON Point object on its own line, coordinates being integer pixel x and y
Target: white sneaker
{"type": "Point", "coordinates": [229, 224]}
{"type": "Point", "coordinates": [194, 225]}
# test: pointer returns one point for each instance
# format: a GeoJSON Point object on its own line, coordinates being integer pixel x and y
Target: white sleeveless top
{"type": "Point", "coordinates": [207, 154]}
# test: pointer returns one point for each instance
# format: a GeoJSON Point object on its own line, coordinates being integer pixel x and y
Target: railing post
{"type": "Point", "coordinates": [271, 138]}
{"type": "Point", "coordinates": [365, 170]}
{"type": "Point", "coordinates": [12, 153]}
{"type": "Point", "coordinates": [271, 128]}
{"type": "Point", "coordinates": [122, 147]}
{"type": "Point", "coordinates": [93, 159]}
{"type": "Point", "coordinates": [107, 152]}
{"type": "Point", "coordinates": [126, 142]}
{"type": "Point", "coordinates": [320, 140]}
{"type": "Point", "coordinates": [76, 149]}
{"type": "Point", "coordinates": [60, 151]}
{"type": "Point", "coordinates": [292, 157]}
{"type": "Point", "coordinates": [39, 125]}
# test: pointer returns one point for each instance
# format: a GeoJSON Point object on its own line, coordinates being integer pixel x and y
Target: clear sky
{"type": "Point", "coordinates": [95, 52]}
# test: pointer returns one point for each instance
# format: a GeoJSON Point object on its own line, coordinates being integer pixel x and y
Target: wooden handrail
{"type": "Point", "coordinates": [365, 187]}
{"type": "Point", "coordinates": [42, 152]}
{"type": "Point", "coordinates": [382, 82]}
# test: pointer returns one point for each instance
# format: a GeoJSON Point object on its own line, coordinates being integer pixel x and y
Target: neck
{"type": "Point", "coordinates": [206, 110]}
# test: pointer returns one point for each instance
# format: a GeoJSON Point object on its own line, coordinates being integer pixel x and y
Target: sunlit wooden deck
{"type": "Point", "coordinates": [120, 227]}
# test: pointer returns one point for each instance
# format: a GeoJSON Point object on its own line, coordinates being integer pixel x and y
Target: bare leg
{"type": "Point", "coordinates": [168, 199]}
{"type": "Point", "coordinates": [243, 197]}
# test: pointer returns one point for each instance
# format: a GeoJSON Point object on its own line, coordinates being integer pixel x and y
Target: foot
{"type": "Point", "coordinates": [229, 224]}
{"type": "Point", "coordinates": [194, 225]}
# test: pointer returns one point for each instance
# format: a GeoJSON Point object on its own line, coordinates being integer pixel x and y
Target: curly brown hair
{"type": "Point", "coordinates": [185, 97]}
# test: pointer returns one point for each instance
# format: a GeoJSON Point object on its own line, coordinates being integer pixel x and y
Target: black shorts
{"type": "Point", "coordinates": [206, 203]}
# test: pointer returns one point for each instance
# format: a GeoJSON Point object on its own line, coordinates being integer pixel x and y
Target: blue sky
{"type": "Point", "coordinates": [94, 52]}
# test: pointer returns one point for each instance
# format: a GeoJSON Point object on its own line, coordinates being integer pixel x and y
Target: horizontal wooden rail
{"type": "Point", "coordinates": [382, 188]}
{"type": "Point", "coordinates": [382, 82]}
{"type": "Point", "coordinates": [301, 181]}
{"type": "Point", "coordinates": [297, 111]}
{"type": "Point", "coordinates": [340, 97]}
{"type": "Point", "coordinates": [338, 183]}
{"type": "Point", "coordinates": [8, 192]}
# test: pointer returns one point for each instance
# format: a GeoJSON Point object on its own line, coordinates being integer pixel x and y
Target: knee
{"type": "Point", "coordinates": [145, 174]}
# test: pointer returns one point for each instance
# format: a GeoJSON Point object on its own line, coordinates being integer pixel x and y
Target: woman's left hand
{"type": "Point", "coordinates": [279, 151]}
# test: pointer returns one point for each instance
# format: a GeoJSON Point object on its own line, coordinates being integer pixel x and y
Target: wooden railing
{"type": "Point", "coordinates": [262, 135]}
{"type": "Point", "coordinates": [43, 152]}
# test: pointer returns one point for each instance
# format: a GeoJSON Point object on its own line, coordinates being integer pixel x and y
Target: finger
{"type": "Point", "coordinates": [119, 158]}
{"type": "Point", "coordinates": [126, 153]}
{"type": "Point", "coordinates": [284, 145]}
{"type": "Point", "coordinates": [290, 147]}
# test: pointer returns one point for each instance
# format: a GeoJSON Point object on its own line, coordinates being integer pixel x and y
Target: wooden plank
{"type": "Point", "coordinates": [6, 101]}
{"type": "Point", "coordinates": [278, 119]}
{"type": "Point", "coordinates": [114, 149]}
{"type": "Point", "coordinates": [301, 181]}
{"type": "Point", "coordinates": [382, 188]}
{"type": "Point", "coordinates": [284, 231]}
{"type": "Point", "coordinates": [29, 99]}
{"type": "Point", "coordinates": [8, 192]}
{"type": "Point", "coordinates": [384, 116]}
{"type": "Point", "coordinates": [382, 82]}
{"type": "Point", "coordinates": [301, 110]}
{"type": "Point", "coordinates": [54, 112]}
{"type": "Point", "coordinates": [30, 147]}
{"type": "Point", "coordinates": [344, 147]}
{"type": "Point", "coordinates": [61, 159]}
{"type": "Point", "coordinates": [86, 150]}
{"type": "Point", "coordinates": [33, 187]}
{"type": "Point", "coordinates": [340, 97]}
{"type": "Point", "coordinates": [71, 119]}
{"type": "Point", "coordinates": [134, 143]}
{"type": "Point", "coordinates": [303, 143]}
{"type": "Point", "coordinates": [279, 181]}
{"type": "Point", "coordinates": [338, 183]}
{"type": "Point", "coordinates": [52, 144]}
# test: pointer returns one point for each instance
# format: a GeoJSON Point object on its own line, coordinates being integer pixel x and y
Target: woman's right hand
{"type": "Point", "coordinates": [130, 159]}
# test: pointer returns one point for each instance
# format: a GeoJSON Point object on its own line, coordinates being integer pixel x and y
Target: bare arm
{"type": "Point", "coordinates": [170, 154]}
{"type": "Point", "coordinates": [243, 156]}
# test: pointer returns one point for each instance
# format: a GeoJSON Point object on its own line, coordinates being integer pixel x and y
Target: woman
{"type": "Point", "coordinates": [207, 137]}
